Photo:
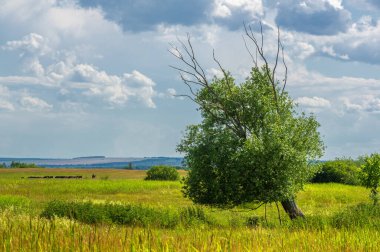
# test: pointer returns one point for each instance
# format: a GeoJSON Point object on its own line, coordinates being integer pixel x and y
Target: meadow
{"type": "Point", "coordinates": [119, 211]}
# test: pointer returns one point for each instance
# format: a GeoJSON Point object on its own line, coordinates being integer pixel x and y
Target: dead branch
{"type": "Point", "coordinates": [271, 75]}
{"type": "Point", "coordinates": [198, 78]}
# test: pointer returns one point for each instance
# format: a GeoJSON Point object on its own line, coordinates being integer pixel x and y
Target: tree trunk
{"type": "Point", "coordinates": [292, 209]}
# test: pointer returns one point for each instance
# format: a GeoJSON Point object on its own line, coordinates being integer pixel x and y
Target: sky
{"type": "Point", "coordinates": [92, 77]}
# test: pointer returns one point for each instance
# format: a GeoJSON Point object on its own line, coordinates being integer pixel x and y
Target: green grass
{"type": "Point", "coordinates": [125, 213]}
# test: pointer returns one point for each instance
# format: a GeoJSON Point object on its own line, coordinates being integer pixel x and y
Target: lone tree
{"type": "Point", "coordinates": [251, 146]}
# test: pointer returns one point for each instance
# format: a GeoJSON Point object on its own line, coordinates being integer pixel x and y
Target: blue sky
{"type": "Point", "coordinates": [92, 77]}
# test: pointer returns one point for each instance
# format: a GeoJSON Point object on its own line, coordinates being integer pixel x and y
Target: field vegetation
{"type": "Point", "coordinates": [16, 164]}
{"type": "Point", "coordinates": [120, 211]}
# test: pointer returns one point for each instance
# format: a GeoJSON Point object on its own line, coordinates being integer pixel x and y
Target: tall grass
{"type": "Point", "coordinates": [27, 233]}
{"type": "Point", "coordinates": [136, 215]}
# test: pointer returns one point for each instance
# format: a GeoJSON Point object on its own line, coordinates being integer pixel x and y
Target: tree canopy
{"type": "Point", "coordinates": [248, 146]}
{"type": "Point", "coordinates": [252, 145]}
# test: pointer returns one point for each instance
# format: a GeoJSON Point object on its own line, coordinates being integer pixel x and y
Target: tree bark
{"type": "Point", "coordinates": [292, 209]}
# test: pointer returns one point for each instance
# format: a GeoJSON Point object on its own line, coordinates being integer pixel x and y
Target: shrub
{"type": "Point", "coordinates": [344, 171]}
{"type": "Point", "coordinates": [90, 213]}
{"type": "Point", "coordinates": [3, 165]}
{"type": "Point", "coordinates": [253, 221]}
{"type": "Point", "coordinates": [192, 216]}
{"type": "Point", "coordinates": [162, 172]}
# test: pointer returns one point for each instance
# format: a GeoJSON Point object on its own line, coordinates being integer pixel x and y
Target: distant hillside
{"type": "Point", "coordinates": [99, 162]}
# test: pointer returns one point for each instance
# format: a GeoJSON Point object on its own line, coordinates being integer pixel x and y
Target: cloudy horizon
{"type": "Point", "coordinates": [83, 78]}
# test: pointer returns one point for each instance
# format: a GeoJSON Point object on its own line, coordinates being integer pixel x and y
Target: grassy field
{"type": "Point", "coordinates": [339, 217]}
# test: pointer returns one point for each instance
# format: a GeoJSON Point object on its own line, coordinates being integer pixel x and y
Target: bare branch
{"type": "Point", "coordinates": [198, 77]}
{"type": "Point", "coordinates": [194, 64]}
{"type": "Point", "coordinates": [277, 54]}
{"type": "Point", "coordinates": [223, 71]}
{"type": "Point", "coordinates": [286, 70]}
{"type": "Point", "coordinates": [249, 51]}
{"type": "Point", "coordinates": [187, 83]}
{"type": "Point", "coordinates": [187, 96]}
{"type": "Point", "coordinates": [262, 37]}
{"type": "Point", "coordinates": [260, 50]}
{"type": "Point", "coordinates": [200, 80]}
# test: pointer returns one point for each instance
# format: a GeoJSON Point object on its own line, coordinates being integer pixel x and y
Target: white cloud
{"type": "Point", "coordinates": [32, 43]}
{"type": "Point", "coordinates": [221, 10]}
{"type": "Point", "coordinates": [224, 8]}
{"type": "Point", "coordinates": [214, 72]}
{"type": "Point", "coordinates": [314, 102]}
{"type": "Point", "coordinates": [336, 3]}
{"type": "Point", "coordinates": [116, 90]}
{"type": "Point", "coordinates": [329, 50]}
{"type": "Point", "coordinates": [34, 104]}
{"type": "Point", "coordinates": [68, 77]}
{"type": "Point", "coordinates": [318, 17]}
{"type": "Point", "coordinates": [23, 80]}
{"type": "Point", "coordinates": [359, 43]}
{"type": "Point", "coordinates": [362, 103]}
{"type": "Point", "coordinates": [6, 105]}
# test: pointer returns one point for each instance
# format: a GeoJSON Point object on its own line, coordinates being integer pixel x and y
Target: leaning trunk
{"type": "Point", "coordinates": [292, 209]}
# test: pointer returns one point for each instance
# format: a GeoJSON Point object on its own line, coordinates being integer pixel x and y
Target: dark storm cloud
{"type": "Point", "coordinates": [313, 17]}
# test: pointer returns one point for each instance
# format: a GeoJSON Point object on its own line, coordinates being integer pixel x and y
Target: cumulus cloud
{"type": "Point", "coordinates": [314, 102]}
{"type": "Point", "coordinates": [31, 44]}
{"type": "Point", "coordinates": [115, 90]}
{"type": "Point", "coordinates": [232, 13]}
{"type": "Point", "coordinates": [360, 43]}
{"type": "Point", "coordinates": [362, 103]}
{"type": "Point", "coordinates": [71, 79]}
{"type": "Point", "coordinates": [318, 17]}
{"type": "Point", "coordinates": [329, 50]}
{"type": "Point", "coordinates": [30, 48]}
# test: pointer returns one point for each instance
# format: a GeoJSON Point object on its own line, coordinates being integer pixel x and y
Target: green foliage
{"type": "Point", "coordinates": [371, 175]}
{"type": "Point", "coordinates": [162, 172]}
{"type": "Point", "coordinates": [91, 213]}
{"type": "Point", "coordinates": [249, 146]}
{"type": "Point", "coordinates": [132, 215]}
{"type": "Point", "coordinates": [344, 171]}
{"type": "Point", "coordinates": [193, 215]}
{"type": "Point", "coordinates": [3, 165]}
{"type": "Point", "coordinates": [253, 221]}
{"type": "Point", "coordinates": [16, 164]}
